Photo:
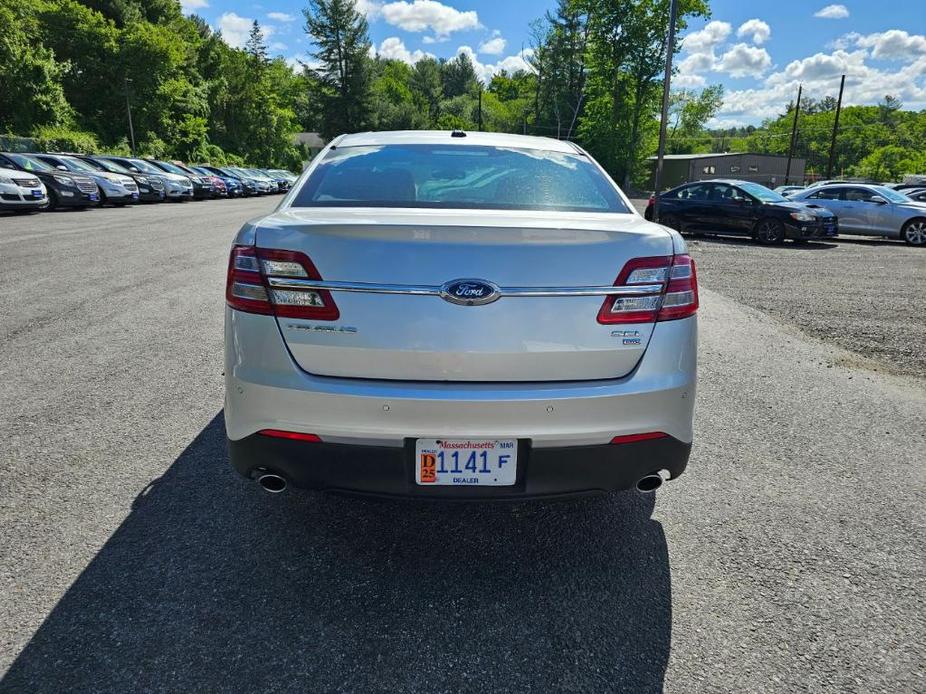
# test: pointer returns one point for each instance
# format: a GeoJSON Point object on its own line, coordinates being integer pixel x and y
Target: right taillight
{"type": "Point", "coordinates": [667, 289]}
{"type": "Point", "coordinates": [247, 289]}
{"type": "Point", "coordinates": [681, 295]}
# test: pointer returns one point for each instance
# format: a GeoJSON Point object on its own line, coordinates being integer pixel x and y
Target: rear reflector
{"type": "Point", "coordinates": [678, 299]}
{"type": "Point", "coordinates": [633, 438]}
{"type": "Point", "coordinates": [291, 435]}
{"type": "Point", "coordinates": [247, 289]}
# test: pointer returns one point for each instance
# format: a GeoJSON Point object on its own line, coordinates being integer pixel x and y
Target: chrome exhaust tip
{"type": "Point", "coordinates": [272, 483]}
{"type": "Point", "coordinates": [649, 483]}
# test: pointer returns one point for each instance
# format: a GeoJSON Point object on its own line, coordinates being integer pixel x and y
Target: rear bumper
{"type": "Point", "coordinates": [367, 426]}
{"type": "Point", "coordinates": [389, 471]}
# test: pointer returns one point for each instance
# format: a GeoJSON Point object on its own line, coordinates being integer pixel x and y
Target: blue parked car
{"type": "Point", "coordinates": [232, 185]}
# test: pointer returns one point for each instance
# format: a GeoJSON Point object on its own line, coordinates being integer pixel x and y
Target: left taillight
{"type": "Point", "coordinates": [247, 289]}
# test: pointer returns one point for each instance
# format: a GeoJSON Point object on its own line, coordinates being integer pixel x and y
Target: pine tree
{"type": "Point", "coordinates": [341, 35]}
{"type": "Point", "coordinates": [256, 47]}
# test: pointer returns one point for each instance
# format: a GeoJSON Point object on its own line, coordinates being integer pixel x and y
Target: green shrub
{"type": "Point", "coordinates": [58, 139]}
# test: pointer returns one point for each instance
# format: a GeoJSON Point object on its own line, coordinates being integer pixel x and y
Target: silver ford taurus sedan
{"type": "Point", "coordinates": [475, 315]}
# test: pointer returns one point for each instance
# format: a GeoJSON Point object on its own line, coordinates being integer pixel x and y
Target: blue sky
{"type": "Point", "coordinates": [760, 52]}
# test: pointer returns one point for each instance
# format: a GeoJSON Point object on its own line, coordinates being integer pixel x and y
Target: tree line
{"type": "Point", "coordinates": [595, 77]}
{"type": "Point", "coordinates": [69, 67]}
{"type": "Point", "coordinates": [878, 143]}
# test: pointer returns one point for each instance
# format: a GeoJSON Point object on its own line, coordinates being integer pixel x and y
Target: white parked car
{"type": "Point", "coordinates": [21, 192]}
{"type": "Point", "coordinates": [871, 210]}
{"type": "Point", "coordinates": [434, 314]}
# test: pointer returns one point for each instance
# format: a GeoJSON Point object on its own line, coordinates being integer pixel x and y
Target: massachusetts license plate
{"type": "Point", "coordinates": [466, 462]}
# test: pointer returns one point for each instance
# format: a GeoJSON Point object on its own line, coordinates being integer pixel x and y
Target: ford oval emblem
{"type": "Point", "coordinates": [468, 292]}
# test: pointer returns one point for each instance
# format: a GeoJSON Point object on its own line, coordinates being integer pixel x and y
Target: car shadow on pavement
{"type": "Point", "coordinates": [708, 237]}
{"type": "Point", "coordinates": [211, 584]}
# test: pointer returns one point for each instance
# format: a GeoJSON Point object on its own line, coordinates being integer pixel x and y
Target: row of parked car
{"type": "Point", "coordinates": [825, 209]}
{"type": "Point", "coordinates": [30, 182]}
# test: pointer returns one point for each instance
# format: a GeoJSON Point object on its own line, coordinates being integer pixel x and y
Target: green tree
{"type": "Point", "coordinates": [392, 100]}
{"type": "Point", "coordinates": [689, 111]}
{"type": "Point", "coordinates": [427, 89]}
{"type": "Point", "coordinates": [890, 163]}
{"type": "Point", "coordinates": [340, 33]}
{"type": "Point", "coordinates": [31, 92]}
{"type": "Point", "coordinates": [625, 57]}
{"type": "Point", "coordinates": [458, 76]}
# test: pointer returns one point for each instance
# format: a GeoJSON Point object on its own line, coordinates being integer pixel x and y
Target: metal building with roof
{"type": "Point", "coordinates": [767, 169]}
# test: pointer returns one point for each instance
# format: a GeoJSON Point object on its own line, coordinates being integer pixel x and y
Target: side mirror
{"type": "Point", "coordinates": [877, 200]}
{"type": "Point", "coordinates": [61, 167]}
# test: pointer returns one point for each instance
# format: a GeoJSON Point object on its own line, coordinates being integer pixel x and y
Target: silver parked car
{"type": "Point", "coordinates": [871, 210]}
{"type": "Point", "coordinates": [431, 314]}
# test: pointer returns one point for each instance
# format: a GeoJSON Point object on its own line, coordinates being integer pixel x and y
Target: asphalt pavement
{"type": "Point", "coordinates": [790, 556]}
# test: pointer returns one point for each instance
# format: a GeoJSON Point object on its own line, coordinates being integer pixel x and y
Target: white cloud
{"type": "Point", "coordinates": [743, 60]}
{"type": "Point", "coordinates": [894, 44]}
{"type": "Point", "coordinates": [700, 49]}
{"type": "Point", "coordinates": [821, 66]}
{"type": "Point", "coordinates": [235, 29]}
{"type": "Point", "coordinates": [494, 46]}
{"type": "Point", "coordinates": [368, 8]}
{"type": "Point", "coordinates": [279, 16]}
{"type": "Point", "coordinates": [820, 73]}
{"type": "Point", "coordinates": [428, 15]}
{"type": "Point", "coordinates": [689, 81]}
{"type": "Point", "coordinates": [704, 41]}
{"type": "Point", "coordinates": [187, 6]}
{"type": "Point", "coordinates": [393, 48]}
{"type": "Point", "coordinates": [511, 63]}
{"type": "Point", "coordinates": [757, 29]}
{"type": "Point", "coordinates": [278, 46]}
{"type": "Point", "coordinates": [832, 12]}
{"type": "Point", "coordinates": [696, 62]}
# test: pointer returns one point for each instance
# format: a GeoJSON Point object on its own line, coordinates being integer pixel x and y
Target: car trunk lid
{"type": "Point", "coordinates": [393, 323]}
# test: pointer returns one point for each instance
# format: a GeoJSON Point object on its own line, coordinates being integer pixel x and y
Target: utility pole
{"type": "Point", "coordinates": [480, 108]}
{"type": "Point", "coordinates": [660, 154]}
{"type": "Point", "coordinates": [829, 163]}
{"type": "Point", "coordinates": [797, 110]}
{"type": "Point", "coordinates": [128, 107]}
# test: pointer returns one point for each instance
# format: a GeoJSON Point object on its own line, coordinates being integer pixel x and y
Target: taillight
{"type": "Point", "coordinates": [247, 288]}
{"type": "Point", "coordinates": [681, 296]}
{"type": "Point", "coordinates": [668, 290]}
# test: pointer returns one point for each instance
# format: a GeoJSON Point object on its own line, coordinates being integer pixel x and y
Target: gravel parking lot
{"type": "Point", "coordinates": [788, 558]}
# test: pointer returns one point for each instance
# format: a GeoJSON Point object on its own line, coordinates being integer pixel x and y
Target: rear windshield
{"type": "Point", "coordinates": [458, 177]}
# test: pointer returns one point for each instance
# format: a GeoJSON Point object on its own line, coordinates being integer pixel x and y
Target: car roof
{"type": "Point", "coordinates": [445, 137]}
{"type": "Point", "coordinates": [844, 184]}
{"type": "Point", "coordinates": [728, 181]}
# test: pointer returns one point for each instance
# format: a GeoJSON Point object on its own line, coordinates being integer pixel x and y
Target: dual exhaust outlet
{"type": "Point", "coordinates": [275, 484]}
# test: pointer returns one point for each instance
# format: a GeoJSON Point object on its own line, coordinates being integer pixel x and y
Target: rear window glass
{"type": "Point", "coordinates": [458, 177]}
